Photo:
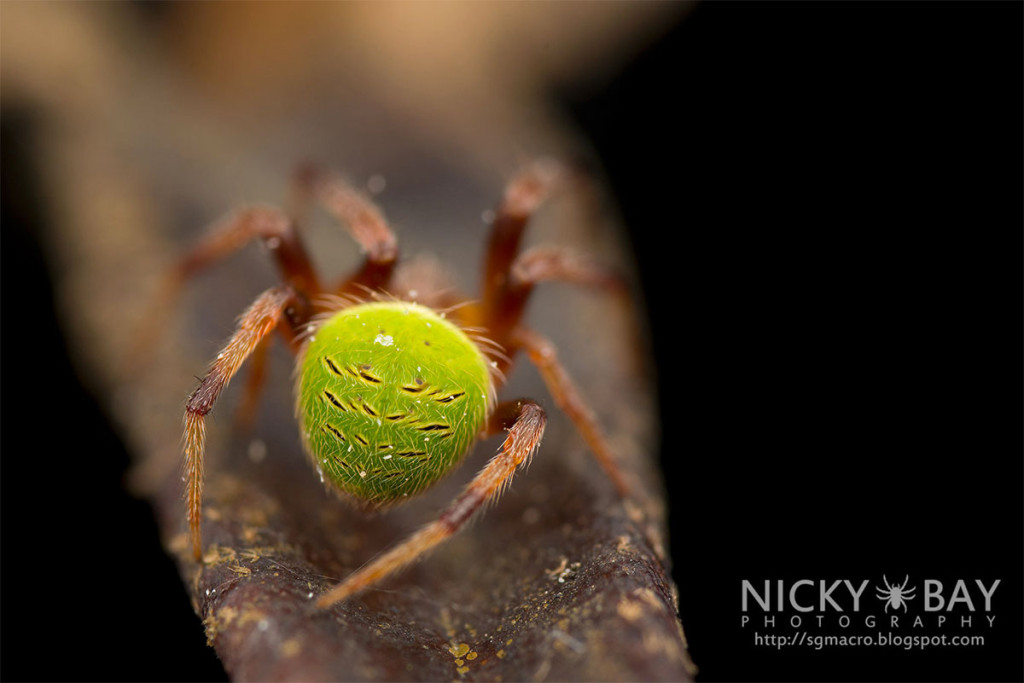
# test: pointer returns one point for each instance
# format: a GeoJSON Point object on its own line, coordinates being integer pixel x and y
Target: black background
{"type": "Point", "coordinates": [825, 204]}
{"type": "Point", "coordinates": [825, 201]}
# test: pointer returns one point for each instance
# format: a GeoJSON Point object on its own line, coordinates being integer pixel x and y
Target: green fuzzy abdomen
{"type": "Point", "coordinates": [390, 397]}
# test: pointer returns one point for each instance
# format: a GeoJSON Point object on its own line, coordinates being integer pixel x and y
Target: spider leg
{"type": "Point", "coordinates": [256, 380]}
{"type": "Point", "coordinates": [509, 279]}
{"type": "Point", "coordinates": [234, 232]}
{"type": "Point", "coordinates": [542, 353]}
{"type": "Point", "coordinates": [544, 264]}
{"type": "Point", "coordinates": [265, 313]}
{"type": "Point", "coordinates": [523, 195]}
{"type": "Point", "coordinates": [363, 220]}
{"type": "Point", "coordinates": [525, 421]}
{"type": "Point", "coordinates": [224, 238]}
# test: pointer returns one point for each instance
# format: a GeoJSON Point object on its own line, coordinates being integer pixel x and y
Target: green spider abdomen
{"type": "Point", "coordinates": [390, 398]}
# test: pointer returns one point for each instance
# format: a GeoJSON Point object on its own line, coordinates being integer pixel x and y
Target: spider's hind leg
{"type": "Point", "coordinates": [543, 355]}
{"type": "Point", "coordinates": [524, 420]}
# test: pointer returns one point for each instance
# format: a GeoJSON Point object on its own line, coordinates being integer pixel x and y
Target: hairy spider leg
{"type": "Point", "coordinates": [559, 264]}
{"type": "Point", "coordinates": [543, 354]}
{"type": "Point", "coordinates": [524, 194]}
{"type": "Point", "coordinates": [509, 279]}
{"type": "Point", "coordinates": [280, 234]}
{"type": "Point", "coordinates": [223, 239]}
{"type": "Point", "coordinates": [227, 236]}
{"type": "Point", "coordinates": [288, 307]}
{"type": "Point", "coordinates": [262, 317]}
{"type": "Point", "coordinates": [255, 381]}
{"type": "Point", "coordinates": [553, 264]}
{"type": "Point", "coordinates": [360, 216]}
{"type": "Point", "coordinates": [524, 420]}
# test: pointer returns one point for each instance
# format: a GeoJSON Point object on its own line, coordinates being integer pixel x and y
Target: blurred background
{"type": "Point", "coordinates": [822, 201]}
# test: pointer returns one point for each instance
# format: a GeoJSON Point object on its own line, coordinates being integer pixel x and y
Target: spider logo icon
{"type": "Point", "coordinates": [895, 595]}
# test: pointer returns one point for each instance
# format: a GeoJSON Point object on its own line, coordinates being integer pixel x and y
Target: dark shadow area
{"type": "Point", "coordinates": [825, 201]}
{"type": "Point", "coordinates": [88, 593]}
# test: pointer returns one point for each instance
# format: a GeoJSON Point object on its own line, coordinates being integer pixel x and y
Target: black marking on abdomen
{"type": "Point", "coordinates": [333, 367]}
{"type": "Point", "coordinates": [337, 434]}
{"type": "Point", "coordinates": [415, 388]}
{"type": "Point", "coordinates": [433, 427]}
{"type": "Point", "coordinates": [333, 399]}
{"type": "Point", "coordinates": [450, 397]}
{"type": "Point", "coordinates": [363, 373]}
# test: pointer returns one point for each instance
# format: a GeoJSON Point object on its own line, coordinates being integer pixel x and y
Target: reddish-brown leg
{"type": "Point", "coordinates": [525, 421]}
{"type": "Point", "coordinates": [256, 380]}
{"type": "Point", "coordinates": [509, 279]}
{"type": "Point", "coordinates": [225, 238]}
{"type": "Point", "coordinates": [258, 321]}
{"type": "Point", "coordinates": [263, 222]}
{"type": "Point", "coordinates": [542, 264]}
{"type": "Point", "coordinates": [543, 354]}
{"type": "Point", "coordinates": [523, 195]}
{"type": "Point", "coordinates": [361, 217]}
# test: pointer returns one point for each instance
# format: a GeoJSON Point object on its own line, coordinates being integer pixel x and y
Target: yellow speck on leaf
{"type": "Point", "coordinates": [459, 650]}
{"type": "Point", "coordinates": [251, 616]}
{"type": "Point", "coordinates": [240, 570]}
{"type": "Point", "coordinates": [250, 555]}
{"type": "Point", "coordinates": [218, 555]}
{"type": "Point", "coordinates": [226, 615]}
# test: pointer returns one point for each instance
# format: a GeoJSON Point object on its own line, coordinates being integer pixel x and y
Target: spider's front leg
{"type": "Point", "coordinates": [226, 237]}
{"type": "Point", "coordinates": [524, 420]}
{"type": "Point", "coordinates": [360, 216]}
{"type": "Point", "coordinates": [262, 317]}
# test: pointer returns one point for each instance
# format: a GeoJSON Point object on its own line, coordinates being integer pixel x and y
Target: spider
{"type": "Point", "coordinates": [391, 393]}
{"type": "Point", "coordinates": [895, 595]}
